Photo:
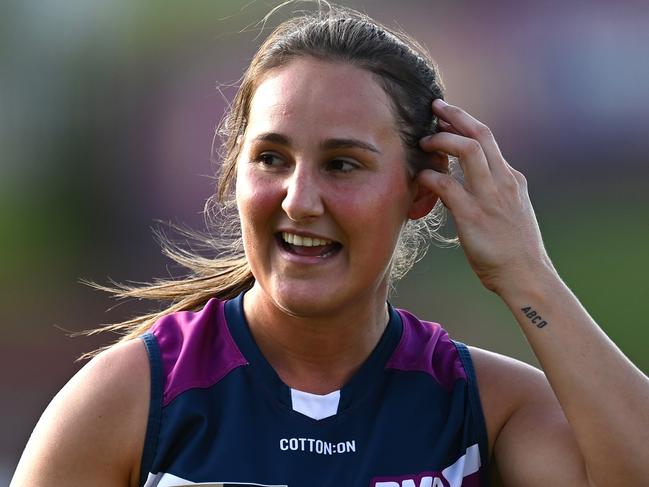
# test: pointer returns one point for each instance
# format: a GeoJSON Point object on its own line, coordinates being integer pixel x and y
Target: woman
{"type": "Point", "coordinates": [280, 363]}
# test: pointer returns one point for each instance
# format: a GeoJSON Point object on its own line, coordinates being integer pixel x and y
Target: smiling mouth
{"type": "Point", "coordinates": [308, 246]}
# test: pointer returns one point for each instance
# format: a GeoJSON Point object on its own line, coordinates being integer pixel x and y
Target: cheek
{"type": "Point", "coordinates": [255, 196]}
{"type": "Point", "coordinates": [381, 200]}
{"type": "Point", "coordinates": [378, 211]}
{"type": "Point", "coordinates": [258, 201]}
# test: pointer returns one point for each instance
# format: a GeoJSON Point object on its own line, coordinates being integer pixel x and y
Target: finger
{"type": "Point", "coordinates": [450, 191]}
{"type": "Point", "coordinates": [437, 161]}
{"type": "Point", "coordinates": [446, 127]}
{"type": "Point", "coordinates": [465, 124]}
{"type": "Point", "coordinates": [477, 175]}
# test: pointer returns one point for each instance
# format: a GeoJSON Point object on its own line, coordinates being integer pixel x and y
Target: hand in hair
{"type": "Point", "coordinates": [588, 423]}
{"type": "Point", "coordinates": [495, 220]}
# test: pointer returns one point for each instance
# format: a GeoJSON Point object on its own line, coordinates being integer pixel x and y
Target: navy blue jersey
{"type": "Point", "coordinates": [220, 415]}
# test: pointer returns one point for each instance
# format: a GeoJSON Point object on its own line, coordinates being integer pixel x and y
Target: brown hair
{"type": "Point", "coordinates": [334, 34]}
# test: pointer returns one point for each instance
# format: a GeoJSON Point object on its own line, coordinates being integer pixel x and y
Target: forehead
{"type": "Point", "coordinates": [322, 97]}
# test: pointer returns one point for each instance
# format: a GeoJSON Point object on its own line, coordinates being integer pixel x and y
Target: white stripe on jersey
{"type": "Point", "coordinates": [167, 480]}
{"type": "Point", "coordinates": [464, 466]}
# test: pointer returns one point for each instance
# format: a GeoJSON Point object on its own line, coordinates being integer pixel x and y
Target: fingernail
{"type": "Point", "coordinates": [440, 102]}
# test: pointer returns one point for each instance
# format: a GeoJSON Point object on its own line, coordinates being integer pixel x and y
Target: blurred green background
{"type": "Point", "coordinates": [107, 113]}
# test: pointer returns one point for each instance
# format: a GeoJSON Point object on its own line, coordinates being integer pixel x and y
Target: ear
{"type": "Point", "coordinates": [422, 203]}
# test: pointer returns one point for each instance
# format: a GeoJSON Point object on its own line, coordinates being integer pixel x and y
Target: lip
{"type": "Point", "coordinates": [304, 259]}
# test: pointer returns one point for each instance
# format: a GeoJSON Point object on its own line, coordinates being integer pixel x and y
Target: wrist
{"type": "Point", "coordinates": [531, 283]}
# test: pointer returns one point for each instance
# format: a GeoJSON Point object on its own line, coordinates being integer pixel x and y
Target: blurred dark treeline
{"type": "Point", "coordinates": [107, 114]}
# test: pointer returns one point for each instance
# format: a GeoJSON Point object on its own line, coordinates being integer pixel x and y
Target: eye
{"type": "Point", "coordinates": [269, 160]}
{"type": "Point", "coordinates": [343, 165]}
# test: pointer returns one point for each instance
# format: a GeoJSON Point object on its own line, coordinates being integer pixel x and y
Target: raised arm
{"type": "Point", "coordinates": [92, 433]}
{"type": "Point", "coordinates": [603, 396]}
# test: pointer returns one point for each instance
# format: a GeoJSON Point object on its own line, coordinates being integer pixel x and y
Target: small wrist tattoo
{"type": "Point", "coordinates": [534, 317]}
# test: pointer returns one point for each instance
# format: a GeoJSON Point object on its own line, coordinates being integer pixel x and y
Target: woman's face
{"type": "Point", "coordinates": [322, 187]}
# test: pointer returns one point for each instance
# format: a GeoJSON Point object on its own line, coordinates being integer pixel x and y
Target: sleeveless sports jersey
{"type": "Point", "coordinates": [221, 416]}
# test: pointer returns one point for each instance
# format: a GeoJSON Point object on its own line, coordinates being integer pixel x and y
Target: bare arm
{"type": "Point", "coordinates": [529, 435]}
{"type": "Point", "coordinates": [603, 395]}
{"type": "Point", "coordinates": [92, 433]}
{"type": "Point", "coordinates": [596, 412]}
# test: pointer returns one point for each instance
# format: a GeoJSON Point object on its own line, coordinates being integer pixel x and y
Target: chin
{"type": "Point", "coordinates": [307, 307]}
{"type": "Point", "coordinates": [307, 300]}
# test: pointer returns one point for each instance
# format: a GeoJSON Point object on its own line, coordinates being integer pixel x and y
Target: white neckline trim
{"type": "Point", "coordinates": [315, 406]}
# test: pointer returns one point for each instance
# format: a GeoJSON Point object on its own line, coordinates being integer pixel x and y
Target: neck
{"type": "Point", "coordinates": [317, 353]}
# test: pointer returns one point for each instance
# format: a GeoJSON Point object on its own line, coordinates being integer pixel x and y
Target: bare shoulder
{"type": "Point", "coordinates": [92, 433]}
{"type": "Point", "coordinates": [529, 436]}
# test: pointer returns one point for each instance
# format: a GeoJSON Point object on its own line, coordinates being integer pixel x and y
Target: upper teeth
{"type": "Point", "coordinates": [304, 241]}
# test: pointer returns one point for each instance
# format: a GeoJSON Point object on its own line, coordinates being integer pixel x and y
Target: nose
{"type": "Point", "coordinates": [303, 199]}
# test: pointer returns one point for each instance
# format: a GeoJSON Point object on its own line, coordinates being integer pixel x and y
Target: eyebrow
{"type": "Point", "coordinates": [328, 144]}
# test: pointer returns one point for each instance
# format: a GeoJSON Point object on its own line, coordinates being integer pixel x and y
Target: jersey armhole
{"type": "Point", "coordinates": [155, 406]}
{"type": "Point", "coordinates": [476, 405]}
